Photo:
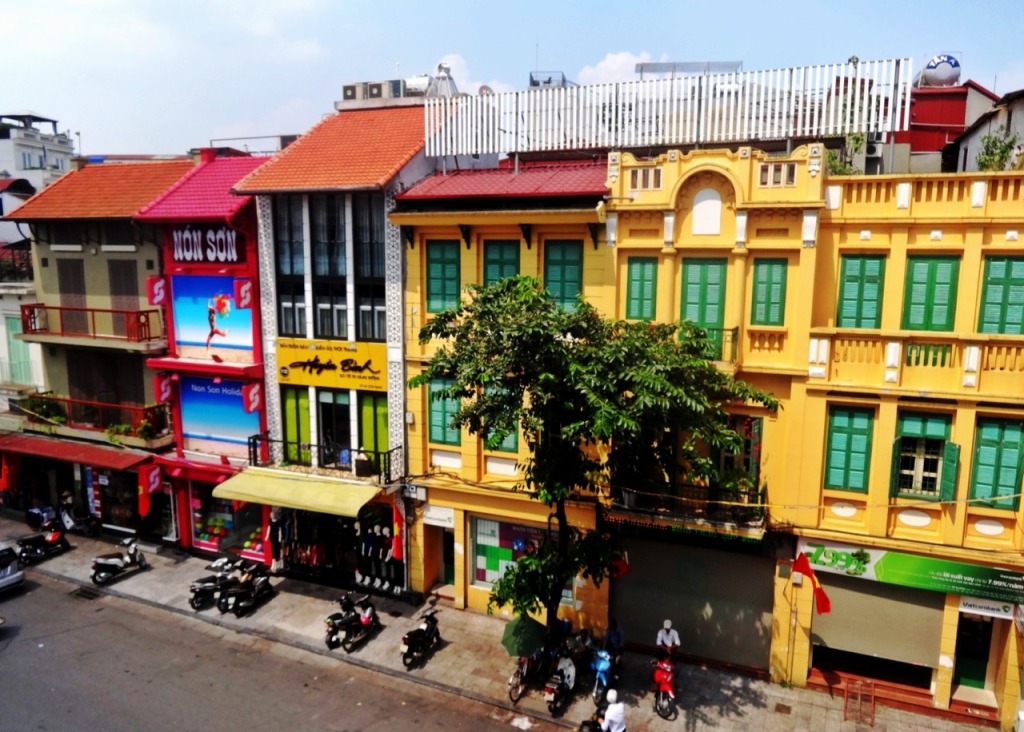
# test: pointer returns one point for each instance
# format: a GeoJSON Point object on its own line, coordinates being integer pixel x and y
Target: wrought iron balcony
{"type": "Point", "coordinates": [116, 420]}
{"type": "Point", "coordinates": [131, 326]}
{"type": "Point", "coordinates": [331, 458]}
{"type": "Point", "coordinates": [717, 505]}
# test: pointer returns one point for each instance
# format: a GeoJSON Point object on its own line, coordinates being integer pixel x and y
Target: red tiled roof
{"type": "Point", "coordinates": [110, 191]}
{"type": "Point", "coordinates": [204, 193]}
{"type": "Point", "coordinates": [354, 149]}
{"type": "Point", "coordinates": [532, 181]}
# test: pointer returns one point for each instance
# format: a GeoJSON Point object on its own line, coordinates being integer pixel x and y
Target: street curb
{"type": "Point", "coordinates": [308, 647]}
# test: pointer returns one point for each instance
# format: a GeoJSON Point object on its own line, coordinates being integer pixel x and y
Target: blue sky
{"type": "Point", "coordinates": [149, 76]}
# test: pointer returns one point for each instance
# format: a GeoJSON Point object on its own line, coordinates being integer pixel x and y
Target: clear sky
{"type": "Point", "coordinates": [165, 76]}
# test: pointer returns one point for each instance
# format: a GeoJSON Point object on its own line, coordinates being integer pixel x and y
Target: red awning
{"type": "Point", "coordinates": [72, 452]}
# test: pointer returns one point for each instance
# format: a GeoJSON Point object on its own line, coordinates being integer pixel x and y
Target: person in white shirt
{"type": "Point", "coordinates": [614, 717]}
{"type": "Point", "coordinates": [668, 639]}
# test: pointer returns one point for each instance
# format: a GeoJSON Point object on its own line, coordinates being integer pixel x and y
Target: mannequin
{"type": "Point", "coordinates": [375, 556]}
{"type": "Point", "coordinates": [274, 537]}
{"type": "Point", "coordinates": [357, 544]}
{"type": "Point", "coordinates": [385, 559]}
{"type": "Point", "coordinates": [366, 558]}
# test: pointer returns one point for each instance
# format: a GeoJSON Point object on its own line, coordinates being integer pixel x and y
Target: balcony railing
{"type": "Point", "coordinates": [724, 341]}
{"type": "Point", "coordinates": [126, 420]}
{"type": "Point", "coordinates": [330, 457]}
{"type": "Point", "coordinates": [710, 504]}
{"type": "Point", "coordinates": [983, 363]}
{"type": "Point", "coordinates": [136, 326]}
{"type": "Point", "coordinates": [15, 265]}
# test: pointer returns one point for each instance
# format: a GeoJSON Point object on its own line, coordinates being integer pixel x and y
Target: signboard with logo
{"type": "Point", "coordinates": [332, 364]}
{"type": "Point", "coordinates": [209, 322]}
{"type": "Point", "coordinates": [912, 570]}
{"type": "Point", "coordinates": [213, 416]}
{"type": "Point", "coordinates": [206, 245]}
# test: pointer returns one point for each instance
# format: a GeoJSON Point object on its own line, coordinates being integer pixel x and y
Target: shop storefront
{"type": "Point", "coordinates": [38, 472]}
{"type": "Point", "coordinates": [718, 593]}
{"type": "Point", "coordinates": [336, 532]}
{"type": "Point", "coordinates": [940, 625]}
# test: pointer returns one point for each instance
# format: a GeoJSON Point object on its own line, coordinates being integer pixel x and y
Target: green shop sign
{"type": "Point", "coordinates": [912, 570]}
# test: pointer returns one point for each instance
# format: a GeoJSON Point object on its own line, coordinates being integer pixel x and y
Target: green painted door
{"type": "Point", "coordinates": [19, 364]}
{"type": "Point", "coordinates": [973, 641]}
{"type": "Point", "coordinates": [703, 301]}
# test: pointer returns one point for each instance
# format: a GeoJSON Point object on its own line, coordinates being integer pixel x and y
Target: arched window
{"type": "Point", "coordinates": [707, 212]}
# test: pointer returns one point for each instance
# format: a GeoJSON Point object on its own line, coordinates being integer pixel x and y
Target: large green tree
{"type": "Point", "coordinates": [644, 395]}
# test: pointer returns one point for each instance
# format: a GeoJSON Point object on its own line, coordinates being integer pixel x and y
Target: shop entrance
{"type": "Point", "coordinates": [973, 641]}
{"type": "Point", "coordinates": [448, 552]}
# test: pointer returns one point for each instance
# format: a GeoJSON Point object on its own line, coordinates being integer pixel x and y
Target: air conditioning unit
{"type": "Point", "coordinates": [353, 92]}
{"type": "Point", "coordinates": [378, 90]}
{"type": "Point", "coordinates": [873, 150]}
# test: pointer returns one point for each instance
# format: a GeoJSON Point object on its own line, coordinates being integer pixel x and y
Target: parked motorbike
{"type": "Point", "coordinates": [527, 669]}
{"type": "Point", "coordinates": [601, 665]}
{"type": "Point", "coordinates": [51, 540]}
{"type": "Point", "coordinates": [417, 643]}
{"type": "Point", "coordinates": [361, 628]}
{"type": "Point", "coordinates": [203, 591]}
{"type": "Point", "coordinates": [252, 588]}
{"type": "Point", "coordinates": [337, 622]}
{"type": "Point", "coordinates": [88, 525]}
{"type": "Point", "coordinates": [108, 566]}
{"type": "Point", "coordinates": [560, 684]}
{"type": "Point", "coordinates": [664, 688]}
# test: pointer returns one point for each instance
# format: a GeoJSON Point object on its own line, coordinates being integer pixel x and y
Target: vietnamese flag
{"type": "Point", "coordinates": [821, 601]}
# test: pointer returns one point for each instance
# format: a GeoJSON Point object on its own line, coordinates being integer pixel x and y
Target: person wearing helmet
{"type": "Point", "coordinates": [668, 640]}
{"type": "Point", "coordinates": [614, 717]}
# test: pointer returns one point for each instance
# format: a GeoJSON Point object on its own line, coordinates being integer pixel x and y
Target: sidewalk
{"type": "Point", "coordinates": [471, 662]}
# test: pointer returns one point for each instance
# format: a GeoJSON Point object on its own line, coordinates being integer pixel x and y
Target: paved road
{"type": "Point", "coordinates": [68, 662]}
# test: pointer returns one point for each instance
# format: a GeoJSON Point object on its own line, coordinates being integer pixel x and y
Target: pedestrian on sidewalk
{"type": "Point", "coordinates": [668, 640]}
{"type": "Point", "coordinates": [614, 717]}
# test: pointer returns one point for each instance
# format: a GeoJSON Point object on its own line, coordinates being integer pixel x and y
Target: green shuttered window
{"type": "Point", "coordinates": [860, 292]}
{"type": "Point", "coordinates": [924, 461]}
{"type": "Point", "coordinates": [703, 301]}
{"type": "Point", "coordinates": [501, 259]}
{"type": "Point", "coordinates": [563, 271]}
{"type": "Point", "coordinates": [849, 448]}
{"type": "Point", "coordinates": [441, 413]}
{"type": "Point", "coordinates": [1002, 297]}
{"type": "Point", "coordinates": [442, 275]}
{"type": "Point", "coordinates": [930, 297]}
{"type": "Point", "coordinates": [641, 288]}
{"type": "Point", "coordinates": [996, 477]}
{"type": "Point", "coordinates": [769, 299]}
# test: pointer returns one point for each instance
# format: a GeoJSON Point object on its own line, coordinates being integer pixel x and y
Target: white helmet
{"type": "Point", "coordinates": [612, 696]}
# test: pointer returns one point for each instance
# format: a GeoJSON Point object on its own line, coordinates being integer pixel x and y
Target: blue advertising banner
{"type": "Point", "coordinates": [207, 322]}
{"type": "Point", "coordinates": [213, 416]}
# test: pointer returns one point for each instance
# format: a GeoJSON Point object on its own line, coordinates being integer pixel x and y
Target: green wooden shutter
{"type": "Point", "coordinates": [641, 288]}
{"type": "Point", "coordinates": [996, 475]}
{"type": "Point", "coordinates": [442, 275]}
{"type": "Point", "coordinates": [860, 292]}
{"type": "Point", "coordinates": [703, 301]}
{"type": "Point", "coordinates": [769, 296]}
{"type": "Point", "coordinates": [894, 474]}
{"type": "Point", "coordinates": [924, 424]}
{"type": "Point", "coordinates": [441, 413]}
{"type": "Point", "coordinates": [1002, 297]}
{"type": "Point", "coordinates": [563, 271]}
{"type": "Point", "coordinates": [849, 449]}
{"type": "Point", "coordinates": [930, 293]}
{"type": "Point", "coordinates": [501, 260]}
{"type": "Point", "coordinates": [947, 481]}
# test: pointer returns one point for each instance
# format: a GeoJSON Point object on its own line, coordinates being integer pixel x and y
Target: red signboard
{"type": "Point", "coordinates": [207, 245]}
{"type": "Point", "coordinates": [252, 397]}
{"type": "Point", "coordinates": [162, 387]}
{"type": "Point", "coordinates": [244, 293]}
{"type": "Point", "coordinates": [156, 290]}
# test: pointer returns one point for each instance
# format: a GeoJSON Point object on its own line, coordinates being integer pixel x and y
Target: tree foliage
{"type": "Point", "coordinates": [573, 381]}
{"type": "Point", "coordinates": [997, 150]}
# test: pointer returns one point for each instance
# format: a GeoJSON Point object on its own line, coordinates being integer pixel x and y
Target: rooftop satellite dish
{"type": "Point", "coordinates": [485, 91]}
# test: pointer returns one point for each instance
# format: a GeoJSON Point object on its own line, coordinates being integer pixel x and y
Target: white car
{"type": "Point", "coordinates": [12, 574]}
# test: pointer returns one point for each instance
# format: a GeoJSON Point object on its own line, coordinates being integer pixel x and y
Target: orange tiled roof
{"type": "Point", "coordinates": [106, 191]}
{"type": "Point", "coordinates": [354, 149]}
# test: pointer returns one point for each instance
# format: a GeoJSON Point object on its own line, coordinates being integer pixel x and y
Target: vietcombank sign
{"type": "Point", "coordinates": [912, 570]}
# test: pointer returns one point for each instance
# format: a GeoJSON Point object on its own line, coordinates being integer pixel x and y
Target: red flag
{"type": "Point", "coordinates": [821, 601]}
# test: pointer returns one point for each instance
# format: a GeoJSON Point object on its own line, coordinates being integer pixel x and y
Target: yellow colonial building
{"type": "Point", "coordinates": [885, 313]}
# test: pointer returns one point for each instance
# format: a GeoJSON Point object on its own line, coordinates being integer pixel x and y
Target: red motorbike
{"type": "Point", "coordinates": [50, 540]}
{"type": "Point", "coordinates": [664, 689]}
